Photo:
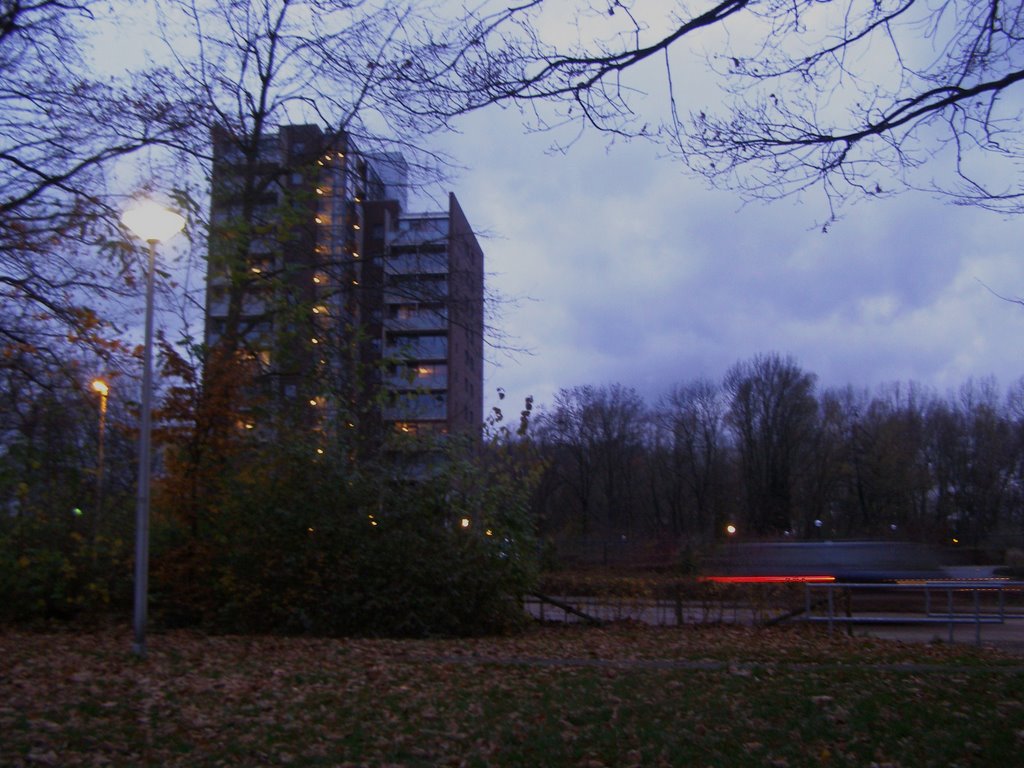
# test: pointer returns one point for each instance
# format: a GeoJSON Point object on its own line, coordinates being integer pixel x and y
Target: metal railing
{"type": "Point", "coordinates": [956, 611]}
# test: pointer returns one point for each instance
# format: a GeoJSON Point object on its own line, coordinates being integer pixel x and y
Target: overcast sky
{"type": "Point", "coordinates": [628, 271]}
{"type": "Point", "coordinates": [624, 270]}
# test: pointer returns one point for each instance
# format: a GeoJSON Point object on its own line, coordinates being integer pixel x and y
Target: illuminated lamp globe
{"type": "Point", "coordinates": [152, 222]}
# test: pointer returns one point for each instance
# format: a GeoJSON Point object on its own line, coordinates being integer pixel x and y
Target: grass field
{"type": "Point", "coordinates": [568, 696]}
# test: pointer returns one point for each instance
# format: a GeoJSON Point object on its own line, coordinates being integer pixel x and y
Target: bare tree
{"type": "Point", "coordinates": [855, 97]}
{"type": "Point", "coordinates": [60, 131]}
{"type": "Point", "coordinates": [691, 418]}
{"type": "Point", "coordinates": [594, 439]}
{"type": "Point", "coordinates": [772, 413]}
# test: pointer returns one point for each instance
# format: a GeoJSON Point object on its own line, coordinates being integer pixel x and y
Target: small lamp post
{"type": "Point", "coordinates": [151, 222]}
{"type": "Point", "coordinates": [100, 387]}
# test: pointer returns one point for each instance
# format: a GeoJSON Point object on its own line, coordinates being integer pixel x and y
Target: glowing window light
{"type": "Point", "coordinates": [464, 522]}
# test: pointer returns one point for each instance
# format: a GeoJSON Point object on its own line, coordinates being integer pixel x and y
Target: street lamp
{"type": "Point", "coordinates": [100, 387]}
{"type": "Point", "coordinates": [151, 222]}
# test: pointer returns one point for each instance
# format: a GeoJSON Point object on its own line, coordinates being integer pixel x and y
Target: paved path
{"type": "Point", "coordinates": [1008, 637]}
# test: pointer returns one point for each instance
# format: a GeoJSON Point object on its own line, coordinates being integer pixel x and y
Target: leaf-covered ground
{"type": "Point", "coordinates": [571, 696]}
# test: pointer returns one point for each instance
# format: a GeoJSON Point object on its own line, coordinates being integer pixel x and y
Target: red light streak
{"type": "Point", "coordinates": [768, 579]}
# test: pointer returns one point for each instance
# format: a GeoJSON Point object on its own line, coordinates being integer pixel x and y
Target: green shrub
{"type": "Point", "coordinates": [302, 548]}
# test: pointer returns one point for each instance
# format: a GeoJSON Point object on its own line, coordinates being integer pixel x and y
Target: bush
{"type": "Point", "coordinates": [50, 570]}
{"type": "Point", "coordinates": [302, 548]}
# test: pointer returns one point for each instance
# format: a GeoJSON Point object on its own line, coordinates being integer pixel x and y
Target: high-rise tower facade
{"type": "Point", "coordinates": [343, 304]}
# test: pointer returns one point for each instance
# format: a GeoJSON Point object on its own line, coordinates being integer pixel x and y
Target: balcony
{"type": "Point", "coordinates": [417, 407]}
{"type": "Point", "coordinates": [433, 347]}
{"type": "Point", "coordinates": [420, 376]}
{"type": "Point", "coordinates": [416, 291]}
{"type": "Point", "coordinates": [425, 263]}
{"type": "Point", "coordinates": [416, 317]}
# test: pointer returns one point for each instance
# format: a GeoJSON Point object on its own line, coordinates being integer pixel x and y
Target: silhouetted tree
{"type": "Point", "coordinates": [690, 464]}
{"type": "Point", "coordinates": [61, 130]}
{"type": "Point", "coordinates": [772, 414]}
{"type": "Point", "coordinates": [850, 96]}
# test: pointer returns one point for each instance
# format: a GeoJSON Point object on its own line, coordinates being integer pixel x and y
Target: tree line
{"type": "Point", "coordinates": [768, 452]}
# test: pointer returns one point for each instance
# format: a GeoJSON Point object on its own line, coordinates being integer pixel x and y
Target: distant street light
{"type": "Point", "coordinates": [99, 386]}
{"type": "Point", "coordinates": [151, 222]}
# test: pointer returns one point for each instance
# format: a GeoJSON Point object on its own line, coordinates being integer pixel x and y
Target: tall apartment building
{"type": "Point", "coordinates": [319, 276]}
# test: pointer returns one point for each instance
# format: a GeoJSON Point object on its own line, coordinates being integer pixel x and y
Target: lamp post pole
{"type": "Point", "coordinates": [99, 386]}
{"type": "Point", "coordinates": [142, 506]}
{"type": "Point", "coordinates": [152, 223]}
